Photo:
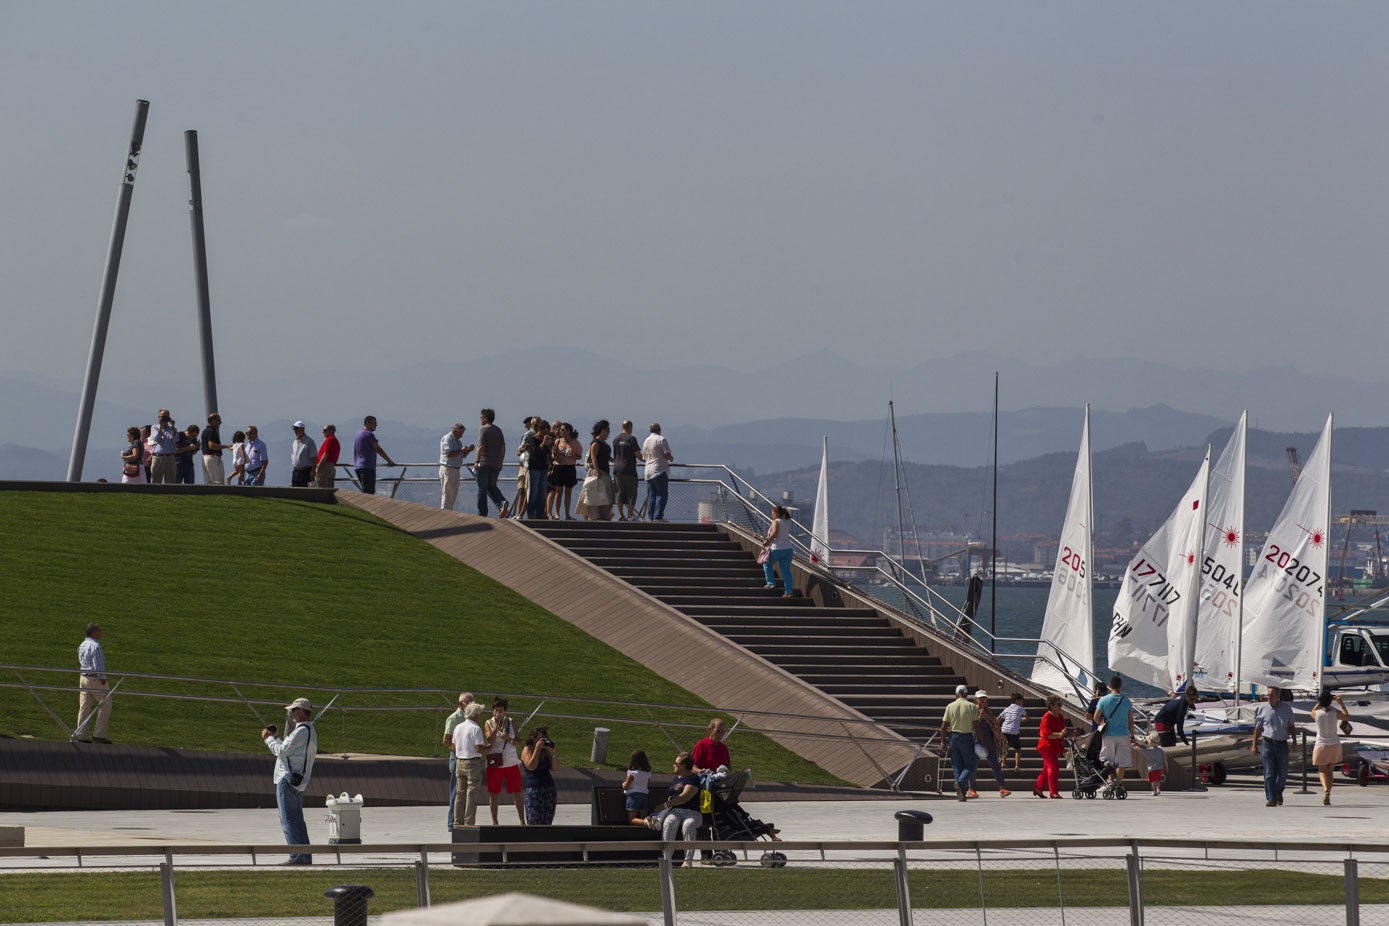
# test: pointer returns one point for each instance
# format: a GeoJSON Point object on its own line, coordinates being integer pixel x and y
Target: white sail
{"type": "Point", "coordinates": [1069, 624]}
{"type": "Point", "coordinates": [1153, 638]}
{"type": "Point", "coordinates": [1222, 568]}
{"type": "Point", "coordinates": [1284, 600]}
{"type": "Point", "coordinates": [820, 527]}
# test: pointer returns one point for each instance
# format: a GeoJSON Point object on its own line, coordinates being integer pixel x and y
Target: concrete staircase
{"type": "Point", "coordinates": [858, 655]}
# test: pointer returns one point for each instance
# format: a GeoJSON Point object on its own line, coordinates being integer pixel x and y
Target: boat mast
{"type": "Point", "coordinates": [897, 482]}
{"type": "Point", "coordinates": [1321, 635]}
{"type": "Point", "coordinates": [1239, 604]}
{"type": "Point", "coordinates": [993, 543]}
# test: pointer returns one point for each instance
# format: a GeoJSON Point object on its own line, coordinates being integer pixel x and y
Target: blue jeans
{"type": "Point", "coordinates": [255, 477]}
{"type": "Point", "coordinates": [487, 488]}
{"type": "Point", "coordinates": [367, 478]}
{"type": "Point", "coordinates": [962, 758]}
{"type": "Point", "coordinates": [1275, 768]}
{"type": "Point", "coordinates": [657, 494]}
{"type": "Point", "coordinates": [453, 785]}
{"type": "Point", "coordinates": [535, 499]}
{"type": "Point", "coordinates": [291, 804]}
{"type": "Point", "coordinates": [781, 559]}
{"type": "Point", "coordinates": [991, 746]}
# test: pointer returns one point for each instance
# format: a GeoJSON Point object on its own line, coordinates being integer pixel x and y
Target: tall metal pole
{"type": "Point", "coordinates": [993, 570]}
{"type": "Point", "coordinates": [195, 216]}
{"type": "Point", "coordinates": [897, 480]}
{"type": "Point", "coordinates": [108, 294]}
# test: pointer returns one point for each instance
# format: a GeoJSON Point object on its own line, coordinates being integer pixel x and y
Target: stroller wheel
{"type": "Point", "coordinates": [1089, 795]}
{"type": "Point", "coordinates": [773, 860]}
{"type": "Point", "coordinates": [1077, 794]}
{"type": "Point", "coordinates": [1121, 794]}
{"type": "Point", "coordinates": [1109, 795]}
{"type": "Point", "coordinates": [723, 858]}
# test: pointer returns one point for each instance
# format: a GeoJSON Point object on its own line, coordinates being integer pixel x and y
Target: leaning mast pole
{"type": "Point", "coordinates": [897, 482]}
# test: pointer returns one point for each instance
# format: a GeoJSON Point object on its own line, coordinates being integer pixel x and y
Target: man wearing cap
{"type": "Point", "coordinates": [326, 467]}
{"type": "Point", "coordinates": [293, 767]}
{"type": "Point", "coordinates": [214, 473]}
{"type": "Point", "coordinates": [302, 455]}
{"type": "Point", "coordinates": [452, 450]}
{"type": "Point", "coordinates": [960, 726]}
{"type": "Point", "coordinates": [452, 721]}
{"type": "Point", "coordinates": [989, 736]}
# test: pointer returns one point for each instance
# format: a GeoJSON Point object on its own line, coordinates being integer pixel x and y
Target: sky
{"type": "Point", "coordinates": [1197, 183]}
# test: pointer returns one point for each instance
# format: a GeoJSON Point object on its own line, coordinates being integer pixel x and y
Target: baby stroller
{"type": "Point", "coordinates": [1092, 775]}
{"type": "Point", "coordinates": [730, 821]}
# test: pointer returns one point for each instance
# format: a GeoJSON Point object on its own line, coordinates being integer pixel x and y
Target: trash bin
{"type": "Point", "coordinates": [344, 819]}
{"type": "Point", "coordinates": [911, 825]}
{"type": "Point", "coordinates": [599, 755]}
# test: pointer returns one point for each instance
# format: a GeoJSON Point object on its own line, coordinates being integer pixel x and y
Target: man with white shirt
{"type": "Point", "coordinates": [303, 454]}
{"type": "Point", "coordinates": [257, 458]}
{"type": "Point", "coordinates": [470, 745]}
{"type": "Point", "coordinates": [163, 443]}
{"type": "Point", "coordinates": [452, 450]}
{"type": "Point", "coordinates": [95, 693]}
{"type": "Point", "coordinates": [294, 758]}
{"type": "Point", "coordinates": [655, 450]}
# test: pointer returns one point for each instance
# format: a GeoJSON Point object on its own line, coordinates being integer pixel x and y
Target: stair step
{"type": "Point", "coordinates": [785, 609]}
{"type": "Point", "coordinates": [612, 528]}
{"type": "Point", "coordinates": [804, 621]}
{"type": "Point", "coordinates": [639, 545]}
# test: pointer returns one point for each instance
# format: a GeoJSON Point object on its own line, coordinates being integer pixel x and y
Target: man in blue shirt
{"type": "Point", "coordinates": [1115, 712]}
{"type": "Point", "coordinates": [365, 449]}
{"type": "Point", "coordinates": [1275, 721]}
{"type": "Point", "coordinates": [257, 457]}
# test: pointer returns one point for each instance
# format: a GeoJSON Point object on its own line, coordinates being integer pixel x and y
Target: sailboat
{"type": "Point", "coordinates": [1153, 638]}
{"type": "Point", "coordinates": [1066, 654]}
{"type": "Point", "coordinates": [1284, 635]}
{"type": "Point", "coordinates": [1219, 612]}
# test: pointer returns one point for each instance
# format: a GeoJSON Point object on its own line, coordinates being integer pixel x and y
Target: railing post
{"type": "Point", "coordinates": [1304, 790]}
{"type": "Point", "coordinates": [667, 886]}
{"type": "Point", "coordinates": [422, 880]}
{"type": "Point", "coordinates": [1135, 872]}
{"type": "Point", "coordinates": [904, 896]}
{"type": "Point", "coordinates": [166, 889]}
{"type": "Point", "coordinates": [1352, 892]}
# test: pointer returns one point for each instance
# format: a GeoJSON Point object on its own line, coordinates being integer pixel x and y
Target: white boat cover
{"type": "Point", "coordinates": [1222, 572]}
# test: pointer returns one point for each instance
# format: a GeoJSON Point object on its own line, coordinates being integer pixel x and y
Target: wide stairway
{"type": "Point", "coordinates": [856, 655]}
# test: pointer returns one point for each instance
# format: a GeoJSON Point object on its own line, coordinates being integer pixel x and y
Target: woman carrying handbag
{"type": "Point", "coordinates": [777, 551]}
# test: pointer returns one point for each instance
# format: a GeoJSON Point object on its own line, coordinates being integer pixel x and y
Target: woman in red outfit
{"type": "Point", "coordinates": [1050, 746]}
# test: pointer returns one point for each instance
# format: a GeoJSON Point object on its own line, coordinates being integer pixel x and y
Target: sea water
{"type": "Point", "coordinates": [1018, 612]}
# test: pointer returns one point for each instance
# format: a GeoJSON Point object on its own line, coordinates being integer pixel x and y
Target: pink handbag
{"type": "Point", "coordinates": [763, 555]}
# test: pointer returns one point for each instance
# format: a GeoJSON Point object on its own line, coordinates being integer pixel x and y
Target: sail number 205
{"type": "Point", "coordinates": [1074, 560]}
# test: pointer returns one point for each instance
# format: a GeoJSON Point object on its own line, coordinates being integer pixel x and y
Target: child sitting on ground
{"type": "Point", "coordinates": [1157, 763]}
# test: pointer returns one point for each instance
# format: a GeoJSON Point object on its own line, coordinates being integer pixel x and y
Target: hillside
{"type": "Point", "coordinates": [299, 594]}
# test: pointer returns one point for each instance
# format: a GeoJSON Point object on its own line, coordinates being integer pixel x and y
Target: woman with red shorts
{"type": "Point", "coordinates": [1049, 744]}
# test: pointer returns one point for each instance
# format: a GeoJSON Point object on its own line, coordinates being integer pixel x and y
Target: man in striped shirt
{"type": "Point", "coordinates": [91, 662]}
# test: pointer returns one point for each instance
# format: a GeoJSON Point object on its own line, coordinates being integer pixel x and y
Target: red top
{"type": "Point", "coordinates": [710, 755]}
{"type": "Point", "coordinates": [1050, 724]}
{"type": "Point", "coordinates": [330, 449]}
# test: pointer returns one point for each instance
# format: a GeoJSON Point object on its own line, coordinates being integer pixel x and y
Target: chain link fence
{"type": "Point", "coordinates": [1085, 882]}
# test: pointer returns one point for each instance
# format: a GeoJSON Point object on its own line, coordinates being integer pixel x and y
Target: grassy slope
{"type": "Point", "coordinates": [297, 593]}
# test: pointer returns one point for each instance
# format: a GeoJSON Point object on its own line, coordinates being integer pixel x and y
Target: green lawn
{"type": "Point", "coordinates": [28, 898]}
{"type": "Point", "coordinates": [298, 593]}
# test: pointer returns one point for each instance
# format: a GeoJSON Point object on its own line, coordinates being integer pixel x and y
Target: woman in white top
{"type": "Point", "coordinates": [503, 764]}
{"type": "Point", "coordinates": [777, 545]}
{"type": "Point", "coordinates": [1326, 753]}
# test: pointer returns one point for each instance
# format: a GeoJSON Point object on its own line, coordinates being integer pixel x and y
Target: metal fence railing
{"type": "Point", "coordinates": [1071, 882]}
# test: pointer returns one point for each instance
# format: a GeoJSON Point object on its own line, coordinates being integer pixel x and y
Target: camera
{"type": "Point", "coordinates": [272, 728]}
{"type": "Point", "coordinates": [548, 742]}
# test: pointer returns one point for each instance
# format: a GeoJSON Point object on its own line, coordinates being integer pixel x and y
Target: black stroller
{"type": "Point", "coordinates": [1092, 775]}
{"type": "Point", "coordinates": [729, 820]}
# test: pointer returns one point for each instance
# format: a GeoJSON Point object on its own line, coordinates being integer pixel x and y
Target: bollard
{"type": "Point", "coordinates": [911, 825]}
{"type": "Point", "coordinates": [599, 756]}
{"type": "Point", "coordinates": [349, 903]}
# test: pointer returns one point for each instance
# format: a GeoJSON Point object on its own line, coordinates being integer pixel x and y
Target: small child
{"type": "Point", "coordinates": [238, 473]}
{"type": "Point", "coordinates": [1157, 763]}
{"type": "Point", "coordinates": [1010, 722]}
{"type": "Point", "coordinates": [635, 786]}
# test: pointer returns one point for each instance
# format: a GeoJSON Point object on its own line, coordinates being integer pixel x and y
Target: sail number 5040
{"type": "Point", "coordinates": [1292, 566]}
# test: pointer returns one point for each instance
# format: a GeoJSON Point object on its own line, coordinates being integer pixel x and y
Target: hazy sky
{"type": "Point", "coordinates": [1201, 183]}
